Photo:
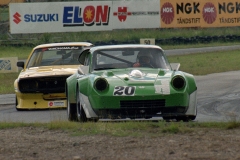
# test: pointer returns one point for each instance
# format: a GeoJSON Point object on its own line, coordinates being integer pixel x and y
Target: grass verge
{"type": "Point", "coordinates": [207, 63]}
{"type": "Point", "coordinates": [7, 80]}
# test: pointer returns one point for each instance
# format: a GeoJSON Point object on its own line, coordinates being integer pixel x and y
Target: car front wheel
{"type": "Point", "coordinates": [71, 111]}
{"type": "Point", "coordinates": [81, 116]}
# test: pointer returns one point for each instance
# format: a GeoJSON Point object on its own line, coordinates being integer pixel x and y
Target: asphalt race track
{"type": "Point", "coordinates": [218, 99]}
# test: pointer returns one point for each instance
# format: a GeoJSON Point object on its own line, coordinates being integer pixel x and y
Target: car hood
{"type": "Point", "coordinates": [138, 76]}
{"type": "Point", "coordinates": [43, 71]}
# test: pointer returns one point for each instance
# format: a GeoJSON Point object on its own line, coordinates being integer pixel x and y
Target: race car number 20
{"type": "Point", "coordinates": [124, 91]}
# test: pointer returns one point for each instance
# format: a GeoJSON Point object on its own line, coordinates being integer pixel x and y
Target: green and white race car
{"type": "Point", "coordinates": [129, 82]}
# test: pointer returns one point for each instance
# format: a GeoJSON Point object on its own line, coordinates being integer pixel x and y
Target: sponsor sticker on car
{"type": "Point", "coordinates": [163, 88]}
{"type": "Point", "coordinates": [56, 104]}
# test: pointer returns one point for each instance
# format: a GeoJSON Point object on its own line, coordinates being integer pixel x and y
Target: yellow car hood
{"type": "Point", "coordinates": [43, 71]}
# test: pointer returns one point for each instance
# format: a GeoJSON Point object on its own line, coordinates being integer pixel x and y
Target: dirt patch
{"type": "Point", "coordinates": [38, 143]}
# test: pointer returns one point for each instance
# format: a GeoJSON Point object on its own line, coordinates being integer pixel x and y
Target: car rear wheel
{"type": "Point", "coordinates": [192, 117]}
{"type": "Point", "coordinates": [183, 118]}
{"type": "Point", "coordinates": [81, 116]}
{"type": "Point", "coordinates": [167, 119]}
{"type": "Point", "coordinates": [186, 118]}
{"type": "Point", "coordinates": [71, 111]}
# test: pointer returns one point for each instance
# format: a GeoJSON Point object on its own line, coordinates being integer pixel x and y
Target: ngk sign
{"type": "Point", "coordinates": [209, 10]}
{"type": "Point", "coordinates": [167, 10]}
{"type": "Point", "coordinates": [199, 13]}
{"type": "Point", "coordinates": [167, 13]}
{"type": "Point", "coordinates": [188, 8]}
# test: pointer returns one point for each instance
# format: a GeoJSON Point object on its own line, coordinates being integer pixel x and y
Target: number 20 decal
{"type": "Point", "coordinates": [124, 91]}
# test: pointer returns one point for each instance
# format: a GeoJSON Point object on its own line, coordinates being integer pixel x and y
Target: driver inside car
{"type": "Point", "coordinates": [143, 60]}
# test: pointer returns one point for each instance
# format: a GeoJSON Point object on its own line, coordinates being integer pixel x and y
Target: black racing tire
{"type": "Point", "coordinates": [81, 116]}
{"type": "Point", "coordinates": [186, 118]}
{"type": "Point", "coordinates": [183, 118]}
{"type": "Point", "coordinates": [167, 119]}
{"type": "Point", "coordinates": [94, 120]}
{"type": "Point", "coordinates": [71, 111]}
{"type": "Point", "coordinates": [192, 117]}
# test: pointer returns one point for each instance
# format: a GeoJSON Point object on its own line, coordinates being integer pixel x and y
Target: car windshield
{"type": "Point", "coordinates": [126, 57]}
{"type": "Point", "coordinates": [50, 56]}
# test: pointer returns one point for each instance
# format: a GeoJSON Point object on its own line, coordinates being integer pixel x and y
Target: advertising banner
{"type": "Point", "coordinates": [199, 13]}
{"type": "Point", "coordinates": [135, 14]}
{"type": "Point", "coordinates": [59, 17]}
{"type": "Point", "coordinates": [109, 15]}
{"type": "Point", "coordinates": [8, 65]}
{"type": "Point", "coordinates": [83, 16]}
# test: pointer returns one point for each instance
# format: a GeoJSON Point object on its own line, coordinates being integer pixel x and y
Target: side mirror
{"type": "Point", "coordinates": [20, 64]}
{"type": "Point", "coordinates": [175, 66]}
{"type": "Point", "coordinates": [83, 55]}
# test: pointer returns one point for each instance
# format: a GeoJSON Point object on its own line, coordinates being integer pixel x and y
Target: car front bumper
{"type": "Point", "coordinates": [40, 101]}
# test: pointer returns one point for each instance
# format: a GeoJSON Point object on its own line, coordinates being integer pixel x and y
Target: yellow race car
{"type": "Point", "coordinates": [41, 83]}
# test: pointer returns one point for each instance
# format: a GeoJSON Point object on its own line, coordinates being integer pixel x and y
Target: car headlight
{"type": "Point", "coordinates": [178, 82]}
{"type": "Point", "coordinates": [101, 84]}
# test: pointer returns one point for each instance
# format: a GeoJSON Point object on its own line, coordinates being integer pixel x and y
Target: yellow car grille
{"type": "Point", "coordinates": [43, 85]}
